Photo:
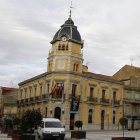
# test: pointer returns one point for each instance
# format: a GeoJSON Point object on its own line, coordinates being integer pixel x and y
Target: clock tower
{"type": "Point", "coordinates": [66, 53]}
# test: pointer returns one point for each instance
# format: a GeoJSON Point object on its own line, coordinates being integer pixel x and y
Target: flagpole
{"type": "Point", "coordinates": [62, 104]}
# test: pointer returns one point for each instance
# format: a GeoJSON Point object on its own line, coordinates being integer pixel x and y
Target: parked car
{"type": "Point", "coordinates": [51, 128]}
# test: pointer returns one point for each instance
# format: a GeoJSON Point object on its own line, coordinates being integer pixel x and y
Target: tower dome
{"type": "Point", "coordinates": [70, 30]}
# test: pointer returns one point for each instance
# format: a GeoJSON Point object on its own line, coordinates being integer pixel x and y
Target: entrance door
{"type": "Point", "coordinates": [72, 121]}
{"type": "Point", "coordinates": [57, 113]}
{"type": "Point", "coordinates": [102, 119]}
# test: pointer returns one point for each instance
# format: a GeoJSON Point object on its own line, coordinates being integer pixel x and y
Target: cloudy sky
{"type": "Point", "coordinates": [110, 29]}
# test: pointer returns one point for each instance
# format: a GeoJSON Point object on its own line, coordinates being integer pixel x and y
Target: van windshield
{"type": "Point", "coordinates": [53, 124]}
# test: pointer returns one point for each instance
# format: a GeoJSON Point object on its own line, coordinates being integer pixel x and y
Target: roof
{"type": "Point", "coordinates": [7, 89]}
{"type": "Point", "coordinates": [100, 75]}
{"type": "Point", "coordinates": [70, 30]}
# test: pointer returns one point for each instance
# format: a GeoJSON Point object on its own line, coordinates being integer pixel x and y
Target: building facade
{"type": "Point", "coordinates": [130, 75]}
{"type": "Point", "coordinates": [99, 97]}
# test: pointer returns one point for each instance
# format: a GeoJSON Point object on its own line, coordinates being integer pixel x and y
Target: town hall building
{"type": "Point", "coordinates": [94, 99]}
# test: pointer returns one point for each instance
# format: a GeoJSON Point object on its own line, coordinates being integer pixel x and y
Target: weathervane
{"type": "Point", "coordinates": [70, 10]}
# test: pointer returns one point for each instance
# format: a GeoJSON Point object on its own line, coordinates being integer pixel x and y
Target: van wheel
{"type": "Point", "coordinates": [62, 138]}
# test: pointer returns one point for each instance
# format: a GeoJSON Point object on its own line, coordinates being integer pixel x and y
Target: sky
{"type": "Point", "coordinates": [110, 30]}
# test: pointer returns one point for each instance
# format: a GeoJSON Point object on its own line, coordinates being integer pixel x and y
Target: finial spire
{"type": "Point", "coordinates": [70, 10]}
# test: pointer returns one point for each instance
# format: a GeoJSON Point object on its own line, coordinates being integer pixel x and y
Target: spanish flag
{"type": "Point", "coordinates": [54, 89]}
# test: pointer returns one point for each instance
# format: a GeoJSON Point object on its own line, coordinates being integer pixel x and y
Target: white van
{"type": "Point", "coordinates": [51, 128]}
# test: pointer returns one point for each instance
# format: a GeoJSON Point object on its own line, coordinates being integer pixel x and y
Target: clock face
{"type": "Point", "coordinates": [64, 38]}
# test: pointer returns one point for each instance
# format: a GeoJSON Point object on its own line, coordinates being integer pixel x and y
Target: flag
{"type": "Point", "coordinates": [54, 89]}
{"type": "Point", "coordinates": [61, 88]}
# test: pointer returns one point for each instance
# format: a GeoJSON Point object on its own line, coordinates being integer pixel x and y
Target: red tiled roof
{"type": "Point", "coordinates": [100, 75]}
{"type": "Point", "coordinates": [6, 89]}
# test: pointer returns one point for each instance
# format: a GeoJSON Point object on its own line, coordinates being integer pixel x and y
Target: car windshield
{"type": "Point", "coordinates": [53, 124]}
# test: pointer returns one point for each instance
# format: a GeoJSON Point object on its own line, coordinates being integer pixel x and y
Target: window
{"type": "Point", "coordinates": [132, 95]}
{"type": "Point", "coordinates": [134, 110]}
{"type": "Point", "coordinates": [63, 47]}
{"type": "Point", "coordinates": [48, 88]}
{"type": "Point", "coordinates": [91, 92]}
{"type": "Point", "coordinates": [127, 109]}
{"type": "Point", "coordinates": [114, 95]}
{"type": "Point", "coordinates": [136, 96]}
{"type": "Point", "coordinates": [103, 94]}
{"type": "Point", "coordinates": [67, 47]}
{"type": "Point", "coordinates": [21, 95]}
{"type": "Point", "coordinates": [74, 67]}
{"type": "Point", "coordinates": [25, 94]}
{"type": "Point", "coordinates": [40, 90]}
{"type": "Point", "coordinates": [59, 47]}
{"type": "Point", "coordinates": [45, 112]}
{"type": "Point", "coordinates": [35, 91]}
{"type": "Point", "coordinates": [114, 117]}
{"type": "Point", "coordinates": [90, 116]}
{"type": "Point", "coordinates": [30, 92]}
{"type": "Point", "coordinates": [74, 90]}
{"type": "Point", "coordinates": [77, 67]}
{"type": "Point", "coordinates": [134, 84]}
{"type": "Point", "coordinates": [58, 92]}
{"type": "Point", "coordinates": [127, 95]}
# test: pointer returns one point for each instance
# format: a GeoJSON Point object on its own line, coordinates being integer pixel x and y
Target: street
{"type": "Point", "coordinates": [94, 135]}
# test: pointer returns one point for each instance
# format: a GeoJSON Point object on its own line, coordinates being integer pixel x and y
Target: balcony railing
{"type": "Point", "coordinates": [94, 99]}
{"type": "Point", "coordinates": [58, 97]}
{"type": "Point", "coordinates": [26, 100]}
{"type": "Point", "coordinates": [75, 97]}
{"type": "Point", "coordinates": [103, 100]}
{"type": "Point", "coordinates": [22, 101]}
{"type": "Point", "coordinates": [18, 102]}
{"type": "Point", "coordinates": [115, 101]}
{"type": "Point", "coordinates": [31, 99]}
{"type": "Point", "coordinates": [37, 98]}
{"type": "Point", "coordinates": [44, 96]}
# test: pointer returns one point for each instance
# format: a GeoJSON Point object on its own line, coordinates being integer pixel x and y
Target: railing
{"type": "Point", "coordinates": [115, 101]}
{"type": "Point", "coordinates": [18, 102]}
{"type": "Point", "coordinates": [44, 96]}
{"type": "Point", "coordinates": [94, 99]}
{"type": "Point", "coordinates": [31, 99]}
{"type": "Point", "coordinates": [22, 101]}
{"type": "Point", "coordinates": [37, 98]}
{"type": "Point", "coordinates": [26, 100]}
{"type": "Point", "coordinates": [75, 97]}
{"type": "Point", "coordinates": [103, 100]}
{"type": "Point", "coordinates": [58, 97]}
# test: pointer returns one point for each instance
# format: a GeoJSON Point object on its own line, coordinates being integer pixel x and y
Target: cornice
{"type": "Point", "coordinates": [92, 77]}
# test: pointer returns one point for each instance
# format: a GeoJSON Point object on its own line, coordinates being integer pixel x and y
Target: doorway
{"type": "Point", "coordinates": [57, 113]}
{"type": "Point", "coordinates": [72, 121]}
{"type": "Point", "coordinates": [102, 119]}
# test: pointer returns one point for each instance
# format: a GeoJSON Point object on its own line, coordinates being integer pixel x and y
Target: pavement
{"type": "Point", "coordinates": [94, 135]}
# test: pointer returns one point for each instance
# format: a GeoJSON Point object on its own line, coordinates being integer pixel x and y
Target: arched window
{"type": "Point", "coordinates": [74, 67]}
{"type": "Point", "coordinates": [114, 117]}
{"type": "Point", "coordinates": [90, 116]}
{"type": "Point", "coordinates": [59, 47]}
{"type": "Point", "coordinates": [67, 47]}
{"type": "Point", "coordinates": [63, 47]}
{"type": "Point", "coordinates": [77, 67]}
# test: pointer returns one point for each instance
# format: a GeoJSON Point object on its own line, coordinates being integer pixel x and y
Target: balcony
{"type": "Point", "coordinates": [45, 97]}
{"type": "Point", "coordinates": [116, 102]}
{"type": "Point", "coordinates": [74, 97]}
{"type": "Point", "coordinates": [37, 99]}
{"type": "Point", "coordinates": [18, 102]}
{"type": "Point", "coordinates": [93, 99]}
{"type": "Point", "coordinates": [104, 101]}
{"type": "Point", "coordinates": [57, 96]}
